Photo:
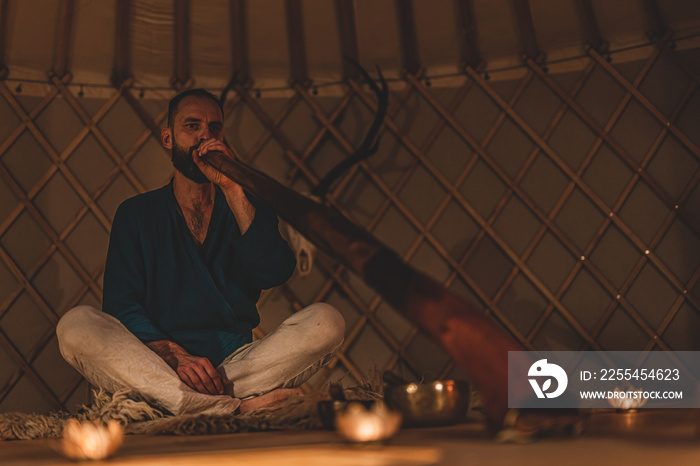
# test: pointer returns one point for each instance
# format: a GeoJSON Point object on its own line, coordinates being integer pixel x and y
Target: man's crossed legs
{"type": "Point", "coordinates": [110, 357]}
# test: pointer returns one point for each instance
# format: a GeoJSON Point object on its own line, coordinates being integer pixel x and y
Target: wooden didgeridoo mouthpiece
{"type": "Point", "coordinates": [479, 347]}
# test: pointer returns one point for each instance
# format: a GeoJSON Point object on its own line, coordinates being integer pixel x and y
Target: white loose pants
{"type": "Point", "coordinates": [110, 357]}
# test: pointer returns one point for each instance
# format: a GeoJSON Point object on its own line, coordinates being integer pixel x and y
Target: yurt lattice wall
{"type": "Point", "coordinates": [560, 198]}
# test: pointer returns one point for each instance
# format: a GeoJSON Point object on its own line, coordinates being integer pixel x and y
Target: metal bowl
{"type": "Point", "coordinates": [440, 402]}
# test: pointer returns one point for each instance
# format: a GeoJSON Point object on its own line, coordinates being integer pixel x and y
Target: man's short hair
{"type": "Point", "coordinates": [175, 102]}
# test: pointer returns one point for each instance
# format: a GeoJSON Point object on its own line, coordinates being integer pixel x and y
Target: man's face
{"type": "Point", "coordinates": [197, 119]}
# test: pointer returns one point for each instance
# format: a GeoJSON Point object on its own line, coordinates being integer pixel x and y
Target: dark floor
{"type": "Point", "coordinates": [647, 437]}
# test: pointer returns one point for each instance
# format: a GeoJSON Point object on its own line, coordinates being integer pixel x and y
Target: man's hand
{"type": "Point", "coordinates": [198, 373]}
{"type": "Point", "coordinates": [214, 175]}
{"type": "Point", "coordinates": [242, 209]}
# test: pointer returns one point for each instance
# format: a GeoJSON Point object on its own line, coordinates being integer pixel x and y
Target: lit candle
{"type": "Point", "coordinates": [91, 441]}
{"type": "Point", "coordinates": [627, 400]}
{"type": "Point", "coordinates": [359, 424]}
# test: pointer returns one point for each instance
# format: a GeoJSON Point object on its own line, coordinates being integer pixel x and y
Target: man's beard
{"type": "Point", "coordinates": [182, 161]}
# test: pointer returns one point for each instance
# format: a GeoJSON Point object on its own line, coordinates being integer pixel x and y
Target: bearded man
{"type": "Point", "coordinates": [185, 267]}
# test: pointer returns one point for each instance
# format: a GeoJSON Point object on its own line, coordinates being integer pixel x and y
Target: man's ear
{"type": "Point", "coordinates": [166, 138]}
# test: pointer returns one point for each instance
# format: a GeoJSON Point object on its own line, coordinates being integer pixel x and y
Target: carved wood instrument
{"type": "Point", "coordinates": [478, 346]}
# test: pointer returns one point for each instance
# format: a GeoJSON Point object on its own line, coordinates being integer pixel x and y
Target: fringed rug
{"type": "Point", "coordinates": [138, 417]}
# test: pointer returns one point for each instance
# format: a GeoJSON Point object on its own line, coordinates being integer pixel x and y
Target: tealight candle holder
{"type": "Point", "coordinates": [627, 401]}
{"type": "Point", "coordinates": [90, 440]}
{"type": "Point", "coordinates": [362, 425]}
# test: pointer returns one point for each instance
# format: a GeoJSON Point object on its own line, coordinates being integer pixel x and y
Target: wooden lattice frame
{"type": "Point", "coordinates": [327, 127]}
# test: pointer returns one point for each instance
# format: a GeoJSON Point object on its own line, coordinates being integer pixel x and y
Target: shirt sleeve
{"type": "Point", "coordinates": [124, 290]}
{"type": "Point", "coordinates": [266, 255]}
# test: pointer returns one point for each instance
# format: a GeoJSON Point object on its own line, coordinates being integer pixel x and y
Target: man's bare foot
{"type": "Point", "coordinates": [273, 399]}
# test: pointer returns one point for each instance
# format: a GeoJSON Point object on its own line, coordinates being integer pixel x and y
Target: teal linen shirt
{"type": "Point", "coordinates": [161, 286]}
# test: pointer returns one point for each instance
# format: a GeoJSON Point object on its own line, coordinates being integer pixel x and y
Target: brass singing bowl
{"type": "Point", "coordinates": [441, 402]}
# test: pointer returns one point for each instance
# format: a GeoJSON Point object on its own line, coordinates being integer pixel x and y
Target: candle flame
{"type": "Point", "coordinates": [627, 399]}
{"type": "Point", "coordinates": [359, 424]}
{"type": "Point", "coordinates": [89, 440]}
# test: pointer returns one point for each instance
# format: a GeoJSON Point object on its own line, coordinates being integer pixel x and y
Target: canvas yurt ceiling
{"type": "Point", "coordinates": [269, 43]}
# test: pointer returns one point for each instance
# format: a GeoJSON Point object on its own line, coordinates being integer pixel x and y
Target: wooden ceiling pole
{"type": "Point", "coordinates": [345, 12]}
{"type": "Point", "coordinates": [527, 31]}
{"type": "Point", "coordinates": [469, 47]}
{"type": "Point", "coordinates": [591, 31]}
{"type": "Point", "coordinates": [239, 42]}
{"type": "Point", "coordinates": [295, 38]}
{"type": "Point", "coordinates": [662, 36]}
{"type": "Point", "coordinates": [3, 39]}
{"type": "Point", "coordinates": [181, 77]}
{"type": "Point", "coordinates": [63, 36]}
{"type": "Point", "coordinates": [122, 43]}
{"type": "Point", "coordinates": [407, 31]}
{"type": "Point", "coordinates": [657, 26]}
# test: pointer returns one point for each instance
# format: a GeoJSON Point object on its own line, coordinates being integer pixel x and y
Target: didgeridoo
{"type": "Point", "coordinates": [478, 346]}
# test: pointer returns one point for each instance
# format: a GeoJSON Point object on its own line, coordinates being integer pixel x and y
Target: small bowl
{"type": "Point", "coordinates": [441, 402]}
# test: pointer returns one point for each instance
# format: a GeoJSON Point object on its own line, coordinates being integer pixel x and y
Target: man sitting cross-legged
{"type": "Point", "coordinates": [185, 267]}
